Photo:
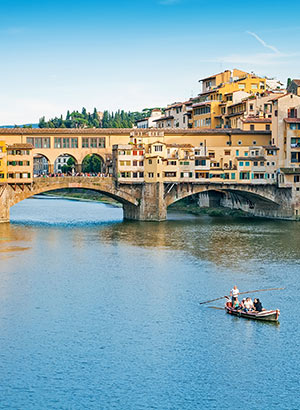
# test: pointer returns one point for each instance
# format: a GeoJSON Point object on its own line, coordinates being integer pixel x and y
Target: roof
{"type": "Point", "coordinates": [213, 76]}
{"type": "Point", "coordinates": [258, 158]}
{"type": "Point", "coordinates": [201, 103]}
{"type": "Point", "coordinates": [257, 120]}
{"type": "Point", "coordinates": [297, 82]}
{"type": "Point", "coordinates": [290, 170]}
{"type": "Point", "coordinates": [180, 145]}
{"type": "Point", "coordinates": [292, 120]}
{"type": "Point", "coordinates": [170, 117]}
{"type": "Point", "coordinates": [271, 147]}
{"type": "Point", "coordinates": [20, 146]}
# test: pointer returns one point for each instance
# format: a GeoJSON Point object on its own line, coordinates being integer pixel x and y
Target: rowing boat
{"type": "Point", "coordinates": [266, 315]}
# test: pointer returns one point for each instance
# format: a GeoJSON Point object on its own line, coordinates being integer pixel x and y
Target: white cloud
{"type": "Point", "coordinates": [261, 41]}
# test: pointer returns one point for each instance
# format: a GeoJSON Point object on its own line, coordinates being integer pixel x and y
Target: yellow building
{"type": "Point", "coordinates": [243, 157]}
{"type": "Point", "coordinates": [221, 90]}
{"type": "Point", "coordinates": [19, 163]}
{"type": "Point", "coordinates": [3, 162]}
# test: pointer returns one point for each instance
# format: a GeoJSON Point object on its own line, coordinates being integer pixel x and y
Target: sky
{"type": "Point", "coordinates": [132, 54]}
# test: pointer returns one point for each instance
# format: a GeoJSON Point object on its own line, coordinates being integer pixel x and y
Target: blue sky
{"type": "Point", "coordinates": [59, 55]}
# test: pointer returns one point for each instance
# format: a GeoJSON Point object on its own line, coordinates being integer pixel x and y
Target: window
{"type": "Point", "coordinates": [240, 142]}
{"type": "Point", "coordinates": [134, 163]}
{"type": "Point", "coordinates": [150, 161]}
{"type": "Point", "coordinates": [158, 148]}
{"type": "Point", "coordinates": [254, 142]}
{"type": "Point", "coordinates": [141, 163]}
{"type": "Point", "coordinates": [74, 142]}
{"type": "Point", "coordinates": [141, 174]}
{"type": "Point", "coordinates": [57, 143]}
{"type": "Point", "coordinates": [261, 163]}
{"type": "Point", "coordinates": [251, 107]}
{"type": "Point", "coordinates": [85, 144]}
{"type": "Point", "coordinates": [134, 174]}
{"type": "Point", "coordinates": [276, 113]}
{"type": "Point", "coordinates": [211, 155]}
{"type": "Point", "coordinates": [252, 127]}
{"type": "Point", "coordinates": [200, 162]}
{"type": "Point", "coordinates": [120, 152]}
{"type": "Point", "coordinates": [172, 162]}
{"type": "Point", "coordinates": [268, 127]}
{"type": "Point", "coordinates": [134, 153]}
{"type": "Point", "coordinates": [255, 163]}
{"type": "Point", "coordinates": [141, 152]}
{"type": "Point", "coordinates": [253, 86]}
{"type": "Point", "coordinates": [241, 163]}
{"type": "Point", "coordinates": [296, 178]}
{"type": "Point", "coordinates": [237, 152]}
{"type": "Point", "coordinates": [247, 163]}
{"type": "Point", "coordinates": [150, 175]}
{"type": "Point", "coordinates": [246, 153]}
{"type": "Point", "coordinates": [227, 152]}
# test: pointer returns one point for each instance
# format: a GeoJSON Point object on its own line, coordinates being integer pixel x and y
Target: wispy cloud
{"type": "Point", "coordinates": [169, 2]}
{"type": "Point", "coordinates": [262, 42]}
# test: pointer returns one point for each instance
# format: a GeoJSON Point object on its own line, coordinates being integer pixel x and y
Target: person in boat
{"type": "Point", "coordinates": [236, 303]}
{"type": "Point", "coordinates": [248, 305]}
{"type": "Point", "coordinates": [257, 305]}
{"type": "Point", "coordinates": [234, 293]}
{"type": "Point", "coordinates": [242, 304]}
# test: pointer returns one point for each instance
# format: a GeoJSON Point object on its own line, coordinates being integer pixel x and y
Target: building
{"type": "Point", "coordinates": [3, 162]}
{"type": "Point", "coordinates": [19, 163]}
{"type": "Point", "coordinates": [60, 162]}
{"type": "Point", "coordinates": [220, 91]}
{"type": "Point", "coordinates": [177, 115]}
{"type": "Point", "coordinates": [245, 157]}
{"type": "Point", "coordinates": [294, 87]}
{"type": "Point", "coordinates": [40, 165]}
{"type": "Point", "coordinates": [150, 122]}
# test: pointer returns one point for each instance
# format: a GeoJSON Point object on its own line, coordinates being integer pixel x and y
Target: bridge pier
{"type": "Point", "coordinates": [152, 206]}
{"type": "Point", "coordinates": [4, 204]}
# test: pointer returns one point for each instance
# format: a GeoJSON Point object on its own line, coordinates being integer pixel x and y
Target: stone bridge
{"type": "Point", "coordinates": [149, 201]}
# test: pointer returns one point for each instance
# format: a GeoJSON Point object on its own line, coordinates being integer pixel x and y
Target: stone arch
{"type": "Point", "coordinates": [90, 155]}
{"type": "Point", "coordinates": [41, 164]}
{"type": "Point", "coordinates": [50, 184]}
{"type": "Point", "coordinates": [252, 199]}
{"type": "Point", "coordinates": [63, 156]}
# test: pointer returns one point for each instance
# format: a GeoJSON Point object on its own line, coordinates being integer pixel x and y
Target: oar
{"type": "Point", "coordinates": [241, 293]}
{"type": "Point", "coordinates": [215, 307]}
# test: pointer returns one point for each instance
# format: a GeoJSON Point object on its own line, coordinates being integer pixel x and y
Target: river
{"type": "Point", "coordinates": [100, 313]}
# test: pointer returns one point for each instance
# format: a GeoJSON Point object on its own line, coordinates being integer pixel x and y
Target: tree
{"type": "Point", "coordinates": [92, 164]}
{"type": "Point", "coordinates": [289, 82]}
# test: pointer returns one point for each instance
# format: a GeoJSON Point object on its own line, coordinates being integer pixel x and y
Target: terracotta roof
{"type": "Point", "coordinates": [180, 145]}
{"type": "Point", "coordinates": [257, 120]}
{"type": "Point", "coordinates": [124, 131]}
{"type": "Point", "coordinates": [297, 82]}
{"type": "Point", "coordinates": [292, 120]}
{"type": "Point", "coordinates": [20, 146]}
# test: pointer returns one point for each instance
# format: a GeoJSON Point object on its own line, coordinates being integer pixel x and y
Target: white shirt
{"type": "Point", "coordinates": [235, 292]}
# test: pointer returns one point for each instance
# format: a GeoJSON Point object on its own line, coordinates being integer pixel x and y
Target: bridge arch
{"type": "Point", "coordinates": [61, 162]}
{"type": "Point", "coordinates": [93, 163]}
{"type": "Point", "coordinates": [101, 185]}
{"type": "Point", "coordinates": [41, 164]}
{"type": "Point", "coordinates": [249, 195]}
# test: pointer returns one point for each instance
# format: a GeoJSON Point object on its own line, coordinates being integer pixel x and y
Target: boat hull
{"type": "Point", "coordinates": [265, 315]}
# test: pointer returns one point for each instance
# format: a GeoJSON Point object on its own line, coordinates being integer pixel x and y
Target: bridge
{"type": "Point", "coordinates": [149, 201]}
